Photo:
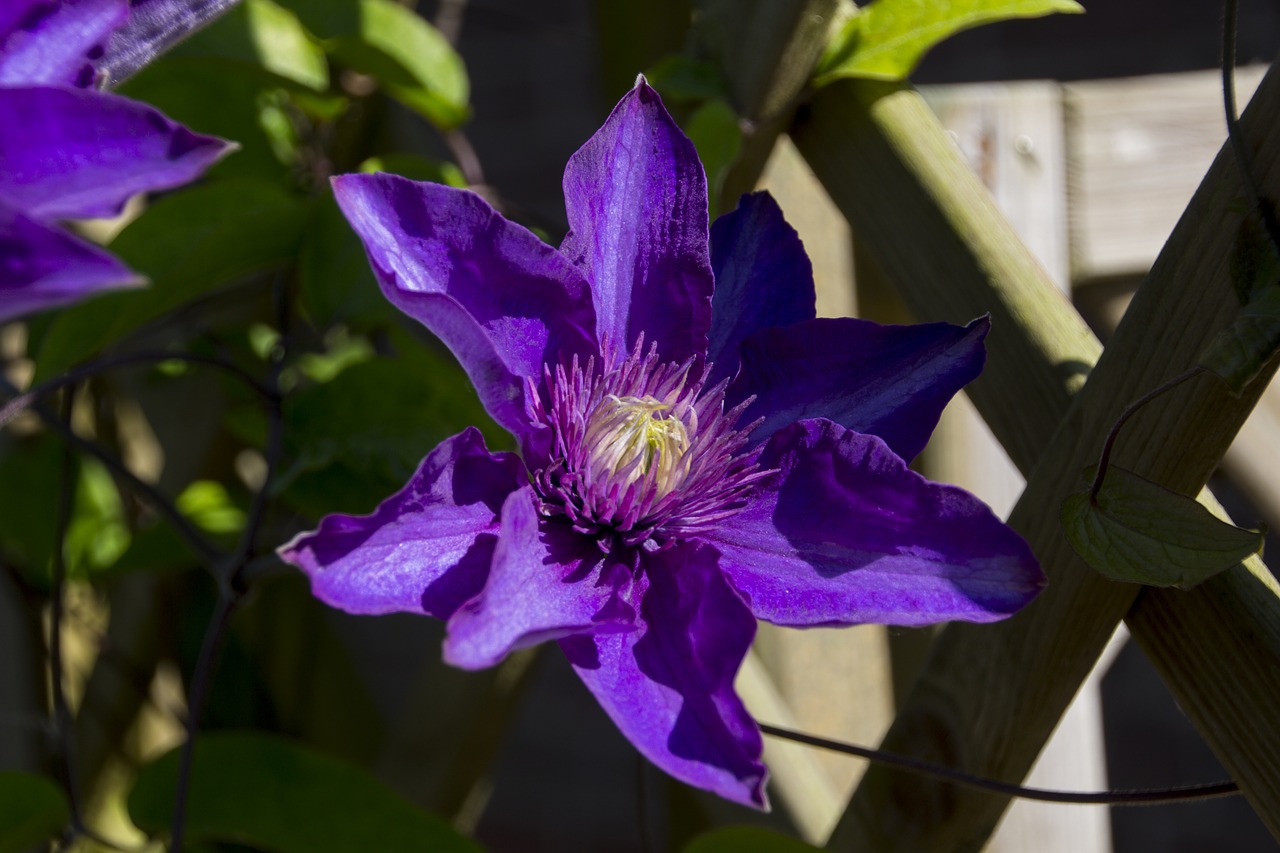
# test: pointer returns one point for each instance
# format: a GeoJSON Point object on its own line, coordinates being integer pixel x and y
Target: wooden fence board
{"type": "Point", "coordinates": [991, 694]}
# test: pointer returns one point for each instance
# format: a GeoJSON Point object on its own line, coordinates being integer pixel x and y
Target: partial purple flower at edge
{"type": "Point", "coordinates": [697, 449]}
{"type": "Point", "coordinates": [70, 152]}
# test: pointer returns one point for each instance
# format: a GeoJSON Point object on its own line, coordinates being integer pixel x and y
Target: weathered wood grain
{"type": "Point", "coordinates": [991, 694]}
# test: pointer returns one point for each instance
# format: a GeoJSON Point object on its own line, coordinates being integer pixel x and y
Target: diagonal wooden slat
{"type": "Point", "coordinates": [991, 695]}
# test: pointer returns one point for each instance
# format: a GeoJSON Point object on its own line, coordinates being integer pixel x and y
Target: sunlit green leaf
{"type": "Point", "coordinates": [276, 795]}
{"type": "Point", "coordinates": [1141, 532]}
{"type": "Point", "coordinates": [32, 811]}
{"type": "Point", "coordinates": [735, 839]}
{"type": "Point", "coordinates": [264, 34]}
{"type": "Point", "coordinates": [189, 244]}
{"type": "Point", "coordinates": [283, 46]}
{"type": "Point", "coordinates": [887, 39]}
{"type": "Point", "coordinates": [98, 534]}
{"type": "Point", "coordinates": [713, 129]}
{"type": "Point", "coordinates": [417, 168]}
{"type": "Point", "coordinates": [410, 59]}
{"type": "Point", "coordinates": [210, 508]}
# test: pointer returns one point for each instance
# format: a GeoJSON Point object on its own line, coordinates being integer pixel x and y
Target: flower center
{"type": "Point", "coordinates": [643, 453]}
{"type": "Point", "coordinates": [628, 441]}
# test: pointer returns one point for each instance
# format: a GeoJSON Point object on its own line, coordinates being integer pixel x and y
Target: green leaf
{"type": "Point", "coordinates": [284, 47]}
{"type": "Point", "coordinates": [679, 79]}
{"type": "Point", "coordinates": [417, 168]}
{"type": "Point", "coordinates": [98, 534]}
{"type": "Point", "coordinates": [412, 60]}
{"type": "Point", "coordinates": [713, 129]}
{"type": "Point", "coordinates": [264, 34]}
{"type": "Point", "coordinates": [32, 810]}
{"type": "Point", "coordinates": [189, 244]}
{"type": "Point", "coordinates": [1140, 532]}
{"type": "Point", "coordinates": [210, 508]}
{"type": "Point", "coordinates": [886, 40]}
{"type": "Point", "coordinates": [1239, 352]}
{"type": "Point", "coordinates": [276, 795]}
{"type": "Point", "coordinates": [28, 502]}
{"type": "Point", "coordinates": [220, 97]}
{"type": "Point", "coordinates": [354, 440]}
{"type": "Point", "coordinates": [734, 839]}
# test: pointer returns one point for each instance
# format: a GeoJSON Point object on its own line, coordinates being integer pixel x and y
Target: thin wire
{"type": "Point", "coordinates": [1139, 797]}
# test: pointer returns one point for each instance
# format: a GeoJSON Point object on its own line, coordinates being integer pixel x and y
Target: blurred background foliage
{"type": "Point", "coordinates": [323, 731]}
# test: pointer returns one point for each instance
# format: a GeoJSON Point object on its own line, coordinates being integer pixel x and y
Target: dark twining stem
{"type": "Point", "coordinates": [1141, 797]}
{"type": "Point", "coordinates": [23, 401]}
{"type": "Point", "coordinates": [60, 712]}
{"type": "Point", "coordinates": [1105, 458]}
{"type": "Point", "coordinates": [195, 705]}
{"type": "Point", "coordinates": [232, 581]}
{"type": "Point", "coordinates": [1244, 160]}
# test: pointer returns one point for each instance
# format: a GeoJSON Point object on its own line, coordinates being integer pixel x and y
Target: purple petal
{"type": "Point", "coordinates": [54, 42]}
{"type": "Point", "coordinates": [505, 302]}
{"type": "Point", "coordinates": [846, 533]}
{"type": "Point", "coordinates": [763, 278]}
{"type": "Point", "coordinates": [153, 27]}
{"type": "Point", "coordinates": [636, 197]}
{"type": "Point", "coordinates": [69, 153]}
{"type": "Point", "coordinates": [890, 381]}
{"type": "Point", "coordinates": [42, 266]}
{"type": "Point", "coordinates": [669, 686]}
{"type": "Point", "coordinates": [425, 549]}
{"type": "Point", "coordinates": [547, 581]}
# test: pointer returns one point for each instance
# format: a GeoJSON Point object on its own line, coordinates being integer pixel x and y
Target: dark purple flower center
{"type": "Point", "coordinates": [643, 453]}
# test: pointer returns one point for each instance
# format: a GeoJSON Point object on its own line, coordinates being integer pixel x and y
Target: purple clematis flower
{"type": "Point", "coordinates": [70, 152]}
{"type": "Point", "coordinates": [697, 450]}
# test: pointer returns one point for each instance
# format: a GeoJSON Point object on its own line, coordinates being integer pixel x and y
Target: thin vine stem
{"type": "Point", "coordinates": [1104, 458]}
{"type": "Point", "coordinates": [1244, 159]}
{"type": "Point", "coordinates": [1138, 797]}
{"type": "Point", "coordinates": [24, 400]}
{"type": "Point", "coordinates": [61, 713]}
{"type": "Point", "coordinates": [231, 582]}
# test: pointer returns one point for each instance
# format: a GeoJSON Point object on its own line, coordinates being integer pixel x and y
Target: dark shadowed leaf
{"type": "Point", "coordinates": [1240, 351]}
{"type": "Point", "coordinates": [734, 839]}
{"type": "Point", "coordinates": [713, 129]}
{"type": "Point", "coordinates": [887, 39]}
{"type": "Point", "coordinates": [276, 795]}
{"type": "Point", "coordinates": [32, 811]}
{"type": "Point", "coordinates": [1140, 532]}
{"type": "Point", "coordinates": [189, 244]}
{"type": "Point", "coordinates": [220, 97]}
{"type": "Point", "coordinates": [355, 439]}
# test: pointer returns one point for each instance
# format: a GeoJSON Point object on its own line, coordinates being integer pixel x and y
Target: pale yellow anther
{"type": "Point", "coordinates": [628, 440]}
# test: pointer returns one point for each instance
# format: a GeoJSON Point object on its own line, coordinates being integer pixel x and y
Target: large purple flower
{"type": "Point", "coordinates": [70, 152]}
{"type": "Point", "coordinates": [693, 457]}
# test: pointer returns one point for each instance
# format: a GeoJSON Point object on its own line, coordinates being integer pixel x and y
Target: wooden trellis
{"type": "Point", "coordinates": [990, 695]}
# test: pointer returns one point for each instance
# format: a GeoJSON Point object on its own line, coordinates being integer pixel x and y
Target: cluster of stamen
{"type": "Point", "coordinates": [642, 453]}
